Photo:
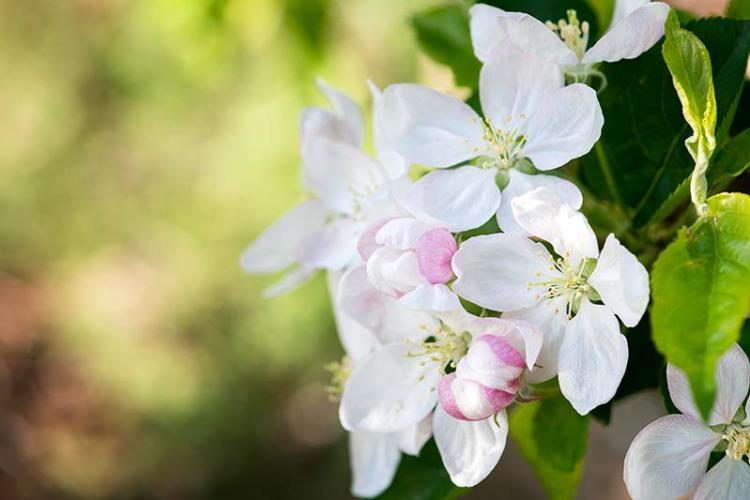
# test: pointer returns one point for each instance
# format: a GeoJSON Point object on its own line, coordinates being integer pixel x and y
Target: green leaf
{"type": "Point", "coordinates": [731, 161]}
{"type": "Point", "coordinates": [739, 9]}
{"type": "Point", "coordinates": [641, 145]}
{"type": "Point", "coordinates": [700, 295]}
{"type": "Point", "coordinates": [422, 478]}
{"type": "Point", "coordinates": [552, 437]}
{"type": "Point", "coordinates": [443, 34]}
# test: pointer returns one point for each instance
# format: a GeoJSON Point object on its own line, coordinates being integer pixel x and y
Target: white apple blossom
{"type": "Point", "coordinates": [512, 274]}
{"type": "Point", "coordinates": [528, 114]}
{"type": "Point", "coordinates": [636, 26]}
{"type": "Point", "coordinates": [410, 260]}
{"type": "Point", "coordinates": [397, 386]}
{"type": "Point", "coordinates": [669, 457]}
{"type": "Point", "coordinates": [373, 456]}
{"type": "Point", "coordinates": [348, 189]}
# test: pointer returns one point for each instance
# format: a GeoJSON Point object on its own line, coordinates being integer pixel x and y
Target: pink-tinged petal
{"type": "Point", "coordinates": [394, 272]}
{"type": "Point", "coordinates": [412, 439]}
{"type": "Point", "coordinates": [427, 297]}
{"type": "Point", "coordinates": [373, 459]}
{"type": "Point", "coordinates": [346, 110]}
{"type": "Point", "coordinates": [430, 128]}
{"type": "Point", "coordinates": [493, 362]}
{"type": "Point", "coordinates": [541, 213]}
{"type": "Point", "coordinates": [526, 337]}
{"type": "Point", "coordinates": [435, 250]}
{"type": "Point", "coordinates": [732, 381]}
{"type": "Point", "coordinates": [729, 479]}
{"type": "Point", "coordinates": [367, 243]}
{"type": "Point", "coordinates": [469, 400]}
{"type": "Point", "coordinates": [668, 458]}
{"type": "Point", "coordinates": [389, 391]}
{"type": "Point", "coordinates": [458, 199]}
{"type": "Point", "coordinates": [521, 183]}
{"type": "Point", "coordinates": [549, 317]}
{"type": "Point", "coordinates": [622, 282]}
{"type": "Point", "coordinates": [470, 450]}
{"type": "Point", "coordinates": [276, 247]}
{"type": "Point", "coordinates": [402, 233]}
{"type": "Point", "coordinates": [564, 126]}
{"type": "Point", "coordinates": [495, 271]}
{"type": "Point", "coordinates": [593, 357]}
{"type": "Point", "coordinates": [512, 84]}
{"type": "Point", "coordinates": [630, 37]}
{"type": "Point", "coordinates": [534, 37]}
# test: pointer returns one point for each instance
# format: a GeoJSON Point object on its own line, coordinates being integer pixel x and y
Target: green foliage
{"type": "Point", "coordinates": [552, 437]}
{"type": "Point", "coordinates": [700, 294]}
{"type": "Point", "coordinates": [739, 9]}
{"type": "Point", "coordinates": [443, 33]}
{"type": "Point", "coordinates": [731, 161]}
{"type": "Point", "coordinates": [639, 161]}
{"type": "Point", "coordinates": [422, 478]}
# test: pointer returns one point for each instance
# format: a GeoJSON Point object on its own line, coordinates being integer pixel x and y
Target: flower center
{"type": "Point", "coordinates": [443, 347]}
{"type": "Point", "coordinates": [738, 441]}
{"type": "Point", "coordinates": [568, 283]}
{"type": "Point", "coordinates": [573, 33]}
{"type": "Point", "coordinates": [503, 146]}
{"type": "Point", "coordinates": [362, 194]}
{"type": "Point", "coordinates": [340, 371]}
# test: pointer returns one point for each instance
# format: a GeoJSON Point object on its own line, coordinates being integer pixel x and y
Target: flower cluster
{"type": "Point", "coordinates": [404, 272]}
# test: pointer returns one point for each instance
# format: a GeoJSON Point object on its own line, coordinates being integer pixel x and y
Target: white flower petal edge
{"type": "Point", "coordinates": [290, 281]}
{"type": "Point", "coordinates": [459, 199]}
{"type": "Point", "coordinates": [630, 36]}
{"type": "Point", "coordinates": [470, 450]}
{"type": "Point", "coordinates": [428, 297]}
{"type": "Point", "coordinates": [622, 282]}
{"type": "Point", "coordinates": [346, 110]}
{"type": "Point", "coordinates": [732, 380]}
{"type": "Point", "coordinates": [593, 357]}
{"type": "Point", "coordinates": [412, 439]}
{"type": "Point", "coordinates": [486, 36]}
{"type": "Point", "coordinates": [374, 459]}
{"type": "Point", "coordinates": [430, 128]}
{"type": "Point", "coordinates": [533, 36]}
{"type": "Point", "coordinates": [729, 479]}
{"type": "Point", "coordinates": [668, 458]}
{"type": "Point", "coordinates": [388, 391]}
{"type": "Point", "coordinates": [276, 248]}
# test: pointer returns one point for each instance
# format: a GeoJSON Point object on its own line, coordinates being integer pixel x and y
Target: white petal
{"type": "Point", "coordinates": [632, 36]}
{"type": "Point", "coordinates": [458, 199]}
{"type": "Point", "coordinates": [494, 271]}
{"type": "Point", "coordinates": [622, 282]}
{"type": "Point", "coordinates": [541, 213]}
{"type": "Point", "coordinates": [732, 384]}
{"type": "Point", "coordinates": [512, 84]}
{"type": "Point", "coordinates": [565, 126]}
{"type": "Point", "coordinates": [593, 356]}
{"type": "Point", "coordinates": [290, 281]}
{"type": "Point", "coordinates": [394, 272]}
{"type": "Point", "coordinates": [402, 233]}
{"type": "Point", "coordinates": [470, 450]}
{"type": "Point", "coordinates": [389, 391]}
{"type": "Point", "coordinates": [532, 36]}
{"type": "Point", "coordinates": [346, 109]}
{"type": "Point", "coordinates": [358, 341]}
{"type": "Point", "coordinates": [339, 173]}
{"type": "Point", "coordinates": [531, 336]}
{"type": "Point", "coordinates": [373, 459]}
{"type": "Point", "coordinates": [333, 246]}
{"type": "Point", "coordinates": [549, 318]}
{"type": "Point", "coordinates": [384, 316]}
{"type": "Point", "coordinates": [521, 183]}
{"type": "Point", "coordinates": [486, 35]}
{"type": "Point", "coordinates": [729, 479]}
{"type": "Point", "coordinates": [624, 8]}
{"type": "Point", "coordinates": [668, 458]}
{"type": "Point", "coordinates": [276, 247]}
{"type": "Point", "coordinates": [318, 123]}
{"type": "Point", "coordinates": [430, 128]}
{"type": "Point", "coordinates": [493, 362]}
{"type": "Point", "coordinates": [394, 164]}
{"type": "Point", "coordinates": [429, 297]}
{"type": "Point", "coordinates": [411, 440]}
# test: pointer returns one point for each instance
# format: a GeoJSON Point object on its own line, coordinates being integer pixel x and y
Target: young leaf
{"type": "Point", "coordinates": [422, 478]}
{"type": "Point", "coordinates": [739, 9]}
{"type": "Point", "coordinates": [700, 296]}
{"type": "Point", "coordinates": [641, 146]}
{"type": "Point", "coordinates": [443, 33]}
{"type": "Point", "coordinates": [552, 437]}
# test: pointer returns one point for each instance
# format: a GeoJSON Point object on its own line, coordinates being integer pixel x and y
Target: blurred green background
{"type": "Point", "coordinates": [143, 144]}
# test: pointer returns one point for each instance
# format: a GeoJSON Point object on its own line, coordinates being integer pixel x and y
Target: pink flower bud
{"type": "Point", "coordinates": [492, 361]}
{"type": "Point", "coordinates": [468, 400]}
{"type": "Point", "coordinates": [435, 250]}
